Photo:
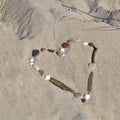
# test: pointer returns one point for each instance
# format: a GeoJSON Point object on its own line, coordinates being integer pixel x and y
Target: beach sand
{"type": "Point", "coordinates": [24, 95]}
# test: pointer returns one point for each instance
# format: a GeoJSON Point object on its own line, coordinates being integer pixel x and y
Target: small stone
{"type": "Point", "coordinates": [90, 44]}
{"type": "Point", "coordinates": [83, 100]}
{"type": "Point", "coordinates": [41, 73]}
{"type": "Point", "coordinates": [65, 45]}
{"type": "Point", "coordinates": [43, 49]}
{"type": "Point", "coordinates": [77, 95]}
{"type": "Point", "coordinates": [47, 77]}
{"type": "Point", "coordinates": [35, 53]}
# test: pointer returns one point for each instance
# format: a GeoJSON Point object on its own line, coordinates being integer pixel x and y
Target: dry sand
{"type": "Point", "coordinates": [46, 23]}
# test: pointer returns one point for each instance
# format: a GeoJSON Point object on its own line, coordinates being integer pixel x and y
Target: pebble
{"type": "Point", "coordinates": [77, 95]}
{"type": "Point", "coordinates": [65, 45]}
{"type": "Point", "coordinates": [90, 44]}
{"type": "Point", "coordinates": [43, 49]}
{"type": "Point", "coordinates": [35, 53]}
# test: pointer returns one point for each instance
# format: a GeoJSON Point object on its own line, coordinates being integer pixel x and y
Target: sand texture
{"type": "Point", "coordinates": [31, 24]}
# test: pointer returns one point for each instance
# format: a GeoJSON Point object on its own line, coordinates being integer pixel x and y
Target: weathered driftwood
{"type": "Point", "coordinates": [89, 84]}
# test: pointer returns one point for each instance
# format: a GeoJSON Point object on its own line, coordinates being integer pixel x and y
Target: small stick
{"type": "Point", "coordinates": [93, 53]}
{"type": "Point", "coordinates": [61, 85]}
{"type": "Point", "coordinates": [89, 84]}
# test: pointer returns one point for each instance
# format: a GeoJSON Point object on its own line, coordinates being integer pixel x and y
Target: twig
{"type": "Point", "coordinates": [89, 84]}
{"type": "Point", "coordinates": [61, 85]}
{"type": "Point", "coordinates": [93, 53]}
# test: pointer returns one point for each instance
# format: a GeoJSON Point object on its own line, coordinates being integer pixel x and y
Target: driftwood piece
{"type": "Point", "coordinates": [89, 84]}
{"type": "Point", "coordinates": [61, 85]}
{"type": "Point", "coordinates": [93, 54]}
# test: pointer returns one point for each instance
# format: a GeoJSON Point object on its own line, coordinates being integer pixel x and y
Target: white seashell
{"type": "Point", "coordinates": [32, 63]}
{"type": "Point", "coordinates": [47, 77]}
{"type": "Point", "coordinates": [87, 96]}
{"type": "Point", "coordinates": [62, 50]}
{"type": "Point", "coordinates": [85, 43]}
{"type": "Point", "coordinates": [32, 60]}
{"type": "Point", "coordinates": [36, 67]}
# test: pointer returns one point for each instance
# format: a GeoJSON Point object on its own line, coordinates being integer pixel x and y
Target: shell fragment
{"type": "Point", "coordinates": [85, 43]}
{"type": "Point", "coordinates": [47, 77]}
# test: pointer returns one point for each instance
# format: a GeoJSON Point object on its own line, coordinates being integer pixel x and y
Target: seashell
{"type": "Point", "coordinates": [47, 77]}
{"type": "Point", "coordinates": [62, 50]}
{"type": "Point", "coordinates": [85, 43]}
{"type": "Point", "coordinates": [77, 40]}
{"type": "Point", "coordinates": [87, 96]}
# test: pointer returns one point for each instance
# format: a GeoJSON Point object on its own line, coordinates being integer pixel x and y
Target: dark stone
{"type": "Point", "coordinates": [35, 53]}
{"type": "Point", "coordinates": [65, 45]}
{"type": "Point", "coordinates": [90, 44]}
{"type": "Point", "coordinates": [77, 95]}
{"type": "Point", "coordinates": [83, 100]}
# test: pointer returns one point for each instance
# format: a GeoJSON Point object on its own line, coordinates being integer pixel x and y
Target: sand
{"type": "Point", "coordinates": [26, 25]}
